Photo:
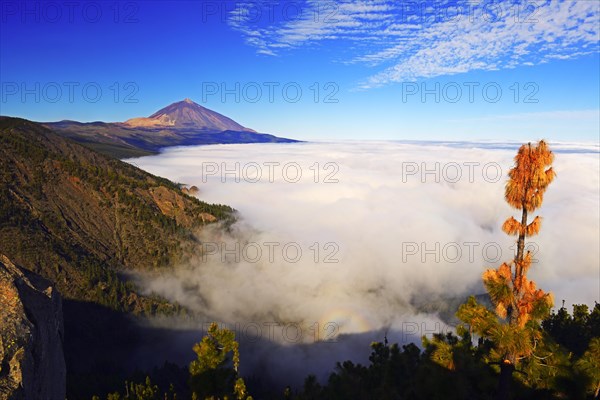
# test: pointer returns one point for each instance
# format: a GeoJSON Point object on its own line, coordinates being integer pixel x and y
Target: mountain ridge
{"type": "Point", "coordinates": [183, 123]}
{"type": "Point", "coordinates": [188, 114]}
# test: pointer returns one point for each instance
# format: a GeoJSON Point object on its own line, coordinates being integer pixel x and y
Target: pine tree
{"type": "Point", "coordinates": [589, 363]}
{"type": "Point", "coordinates": [213, 374]}
{"type": "Point", "coordinates": [514, 327]}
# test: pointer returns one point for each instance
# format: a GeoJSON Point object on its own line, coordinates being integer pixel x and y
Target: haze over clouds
{"type": "Point", "coordinates": [376, 214]}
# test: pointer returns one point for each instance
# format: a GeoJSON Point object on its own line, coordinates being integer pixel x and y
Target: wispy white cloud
{"type": "Point", "coordinates": [426, 40]}
{"type": "Point", "coordinates": [558, 30]}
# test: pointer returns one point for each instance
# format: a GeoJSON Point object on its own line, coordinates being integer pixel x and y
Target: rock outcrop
{"type": "Point", "coordinates": [32, 364]}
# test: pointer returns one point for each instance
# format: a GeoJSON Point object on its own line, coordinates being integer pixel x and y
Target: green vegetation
{"type": "Point", "coordinates": [453, 367]}
{"type": "Point", "coordinates": [80, 219]}
{"type": "Point", "coordinates": [447, 367]}
{"type": "Point", "coordinates": [574, 331]}
{"type": "Point", "coordinates": [140, 391]}
{"type": "Point", "coordinates": [213, 374]}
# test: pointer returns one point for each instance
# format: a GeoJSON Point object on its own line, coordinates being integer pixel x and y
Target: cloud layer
{"type": "Point", "coordinates": [408, 227]}
{"type": "Point", "coordinates": [417, 39]}
{"type": "Point", "coordinates": [387, 196]}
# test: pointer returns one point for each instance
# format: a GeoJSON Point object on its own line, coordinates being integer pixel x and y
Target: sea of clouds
{"type": "Point", "coordinates": [343, 243]}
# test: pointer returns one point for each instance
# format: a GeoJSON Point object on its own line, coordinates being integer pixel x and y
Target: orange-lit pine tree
{"type": "Point", "coordinates": [514, 328]}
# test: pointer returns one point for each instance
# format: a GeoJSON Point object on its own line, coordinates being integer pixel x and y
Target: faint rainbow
{"type": "Point", "coordinates": [347, 319]}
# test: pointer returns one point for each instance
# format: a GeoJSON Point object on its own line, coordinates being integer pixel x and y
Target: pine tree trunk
{"type": "Point", "coordinates": [507, 368]}
{"type": "Point", "coordinates": [521, 245]}
{"type": "Point", "coordinates": [506, 371]}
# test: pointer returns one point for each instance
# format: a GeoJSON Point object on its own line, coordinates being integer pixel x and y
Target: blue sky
{"type": "Point", "coordinates": [313, 69]}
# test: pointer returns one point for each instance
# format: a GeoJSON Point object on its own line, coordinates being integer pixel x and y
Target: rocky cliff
{"type": "Point", "coordinates": [32, 364]}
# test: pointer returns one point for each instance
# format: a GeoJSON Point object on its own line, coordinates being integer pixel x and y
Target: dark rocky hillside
{"type": "Point", "coordinates": [79, 218]}
{"type": "Point", "coordinates": [82, 221]}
